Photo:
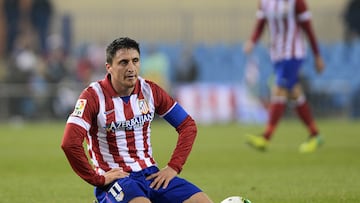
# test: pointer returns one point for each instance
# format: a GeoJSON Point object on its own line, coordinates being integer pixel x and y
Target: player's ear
{"type": "Point", "coordinates": [107, 66]}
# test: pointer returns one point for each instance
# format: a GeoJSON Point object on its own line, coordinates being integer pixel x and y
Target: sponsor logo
{"type": "Point", "coordinates": [131, 124]}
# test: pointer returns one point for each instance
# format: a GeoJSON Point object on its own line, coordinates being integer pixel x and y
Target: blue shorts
{"type": "Point", "coordinates": [136, 185]}
{"type": "Point", "coordinates": [287, 72]}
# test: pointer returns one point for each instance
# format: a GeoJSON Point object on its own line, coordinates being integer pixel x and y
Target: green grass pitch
{"type": "Point", "coordinates": [34, 169]}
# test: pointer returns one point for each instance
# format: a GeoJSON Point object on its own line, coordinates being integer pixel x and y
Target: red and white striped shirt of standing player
{"type": "Point", "coordinates": [285, 18]}
{"type": "Point", "coordinates": [118, 132]}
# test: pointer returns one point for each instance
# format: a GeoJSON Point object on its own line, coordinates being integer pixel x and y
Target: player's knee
{"type": "Point", "coordinates": [199, 197]}
{"type": "Point", "coordinates": [140, 200]}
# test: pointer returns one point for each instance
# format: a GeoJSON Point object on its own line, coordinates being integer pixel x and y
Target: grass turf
{"type": "Point", "coordinates": [34, 169]}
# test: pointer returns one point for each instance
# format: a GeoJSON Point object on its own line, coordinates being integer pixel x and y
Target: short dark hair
{"type": "Point", "coordinates": [120, 43]}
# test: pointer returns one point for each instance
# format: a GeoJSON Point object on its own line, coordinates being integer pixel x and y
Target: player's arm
{"type": "Point", "coordinates": [257, 31]}
{"type": "Point", "coordinates": [72, 145]}
{"type": "Point", "coordinates": [304, 18]}
{"type": "Point", "coordinates": [187, 130]}
{"type": "Point", "coordinates": [76, 130]}
{"type": "Point", "coordinates": [74, 151]}
{"type": "Point", "coordinates": [176, 116]}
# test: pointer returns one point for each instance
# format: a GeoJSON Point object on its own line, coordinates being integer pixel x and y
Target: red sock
{"type": "Point", "coordinates": [304, 113]}
{"type": "Point", "coordinates": [276, 111]}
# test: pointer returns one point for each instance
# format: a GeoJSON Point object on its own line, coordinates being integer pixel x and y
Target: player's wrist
{"type": "Point", "coordinates": [175, 167]}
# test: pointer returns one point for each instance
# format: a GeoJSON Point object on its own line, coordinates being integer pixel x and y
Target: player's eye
{"type": "Point", "coordinates": [124, 62]}
{"type": "Point", "coordinates": [135, 60]}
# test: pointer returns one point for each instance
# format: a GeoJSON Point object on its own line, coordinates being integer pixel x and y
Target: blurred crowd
{"type": "Point", "coordinates": [41, 73]}
{"type": "Point", "coordinates": [352, 20]}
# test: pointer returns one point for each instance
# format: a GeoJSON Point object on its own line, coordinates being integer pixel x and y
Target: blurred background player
{"type": "Point", "coordinates": [286, 20]}
{"type": "Point", "coordinates": [114, 116]}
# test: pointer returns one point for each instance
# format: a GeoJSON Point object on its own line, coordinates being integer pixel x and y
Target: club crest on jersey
{"type": "Point", "coordinates": [143, 106]}
{"type": "Point", "coordinates": [79, 108]}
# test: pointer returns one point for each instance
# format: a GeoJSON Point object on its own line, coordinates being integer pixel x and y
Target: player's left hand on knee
{"type": "Point", "coordinates": [162, 178]}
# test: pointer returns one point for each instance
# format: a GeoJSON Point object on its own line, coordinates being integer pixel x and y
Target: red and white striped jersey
{"type": "Point", "coordinates": [118, 131]}
{"type": "Point", "coordinates": [285, 18]}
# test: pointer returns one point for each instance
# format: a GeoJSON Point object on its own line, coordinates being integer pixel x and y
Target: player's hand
{"type": "Point", "coordinates": [114, 174]}
{"type": "Point", "coordinates": [319, 64]}
{"type": "Point", "coordinates": [248, 47]}
{"type": "Point", "coordinates": [162, 178]}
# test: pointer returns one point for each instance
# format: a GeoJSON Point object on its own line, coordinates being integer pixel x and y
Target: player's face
{"type": "Point", "coordinates": [124, 70]}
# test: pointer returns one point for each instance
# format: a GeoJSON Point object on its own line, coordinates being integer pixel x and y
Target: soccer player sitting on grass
{"type": "Point", "coordinates": [114, 116]}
